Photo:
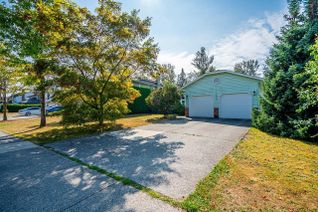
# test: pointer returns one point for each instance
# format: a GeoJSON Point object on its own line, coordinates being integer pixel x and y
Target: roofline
{"type": "Point", "coordinates": [145, 82]}
{"type": "Point", "coordinates": [220, 72]}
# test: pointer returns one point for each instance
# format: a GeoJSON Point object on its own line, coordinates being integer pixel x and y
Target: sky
{"type": "Point", "coordinates": [231, 30]}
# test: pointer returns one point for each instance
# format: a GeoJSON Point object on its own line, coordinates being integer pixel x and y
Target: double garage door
{"type": "Point", "coordinates": [234, 106]}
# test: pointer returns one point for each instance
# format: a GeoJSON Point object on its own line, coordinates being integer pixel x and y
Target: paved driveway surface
{"type": "Point", "coordinates": [35, 179]}
{"type": "Point", "coordinates": [170, 157]}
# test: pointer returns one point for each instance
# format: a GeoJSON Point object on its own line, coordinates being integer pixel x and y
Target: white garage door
{"type": "Point", "coordinates": [236, 106]}
{"type": "Point", "coordinates": [201, 106]}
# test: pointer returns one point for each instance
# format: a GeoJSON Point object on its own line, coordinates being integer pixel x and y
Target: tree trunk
{"type": "Point", "coordinates": [101, 113]}
{"type": "Point", "coordinates": [101, 118]}
{"type": "Point", "coordinates": [43, 110]}
{"type": "Point", "coordinates": [100, 122]}
{"type": "Point", "coordinates": [5, 103]}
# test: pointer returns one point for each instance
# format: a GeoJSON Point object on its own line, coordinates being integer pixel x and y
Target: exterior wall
{"type": "Point", "coordinates": [18, 98]}
{"type": "Point", "coordinates": [221, 84]}
{"type": "Point", "coordinates": [145, 84]}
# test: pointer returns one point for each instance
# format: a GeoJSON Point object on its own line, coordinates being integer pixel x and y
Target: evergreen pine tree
{"type": "Point", "coordinates": [182, 79]}
{"type": "Point", "coordinates": [248, 67]}
{"type": "Point", "coordinates": [281, 102]}
{"type": "Point", "coordinates": [203, 62]}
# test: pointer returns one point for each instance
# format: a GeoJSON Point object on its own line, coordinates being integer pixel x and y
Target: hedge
{"type": "Point", "coordinates": [17, 107]}
{"type": "Point", "coordinates": [140, 105]}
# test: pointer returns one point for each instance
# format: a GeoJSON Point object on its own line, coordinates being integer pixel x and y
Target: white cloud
{"type": "Point", "coordinates": [252, 41]}
{"type": "Point", "coordinates": [179, 60]}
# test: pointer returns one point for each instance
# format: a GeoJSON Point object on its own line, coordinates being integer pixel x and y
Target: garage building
{"type": "Point", "coordinates": [222, 94]}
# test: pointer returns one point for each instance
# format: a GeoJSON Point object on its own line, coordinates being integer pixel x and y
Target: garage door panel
{"type": "Point", "coordinates": [236, 106]}
{"type": "Point", "coordinates": [201, 106]}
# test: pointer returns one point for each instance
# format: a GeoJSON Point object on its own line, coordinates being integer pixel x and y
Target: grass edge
{"type": "Point", "coordinates": [125, 181]}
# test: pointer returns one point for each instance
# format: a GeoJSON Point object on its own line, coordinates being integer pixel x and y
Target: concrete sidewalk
{"type": "Point", "coordinates": [33, 178]}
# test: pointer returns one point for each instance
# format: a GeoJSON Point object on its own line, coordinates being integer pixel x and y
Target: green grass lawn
{"type": "Point", "coordinates": [28, 128]}
{"type": "Point", "coordinates": [263, 172]}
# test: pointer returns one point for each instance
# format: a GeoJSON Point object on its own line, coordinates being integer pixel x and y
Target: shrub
{"type": "Point", "coordinates": [56, 113]}
{"type": "Point", "coordinates": [171, 116]}
{"type": "Point", "coordinates": [180, 110]}
{"type": "Point", "coordinates": [140, 105]}
{"type": "Point", "coordinates": [17, 107]}
{"type": "Point", "coordinates": [75, 112]}
{"type": "Point", "coordinates": [165, 100]}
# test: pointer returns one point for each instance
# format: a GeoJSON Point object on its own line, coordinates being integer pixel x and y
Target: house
{"type": "Point", "coordinates": [29, 98]}
{"type": "Point", "coordinates": [145, 83]}
{"type": "Point", "coordinates": [20, 98]}
{"type": "Point", "coordinates": [222, 94]}
{"type": "Point", "coordinates": [33, 98]}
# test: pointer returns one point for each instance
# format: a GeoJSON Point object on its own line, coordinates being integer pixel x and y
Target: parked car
{"type": "Point", "coordinates": [54, 108]}
{"type": "Point", "coordinates": [30, 111]}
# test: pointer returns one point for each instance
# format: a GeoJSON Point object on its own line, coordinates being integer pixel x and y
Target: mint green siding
{"type": "Point", "coordinates": [217, 85]}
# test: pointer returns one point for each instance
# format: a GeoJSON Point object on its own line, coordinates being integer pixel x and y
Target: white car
{"type": "Point", "coordinates": [30, 111]}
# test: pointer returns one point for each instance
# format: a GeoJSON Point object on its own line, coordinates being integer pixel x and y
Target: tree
{"type": "Point", "coordinates": [182, 79]}
{"type": "Point", "coordinates": [32, 30]}
{"type": "Point", "coordinates": [191, 76]}
{"type": "Point", "coordinates": [167, 73]}
{"type": "Point", "coordinates": [99, 58]}
{"type": "Point", "coordinates": [248, 67]}
{"type": "Point", "coordinates": [307, 124]}
{"type": "Point", "coordinates": [280, 106]}
{"type": "Point", "coordinates": [203, 62]}
{"type": "Point", "coordinates": [9, 78]}
{"type": "Point", "coordinates": [165, 100]}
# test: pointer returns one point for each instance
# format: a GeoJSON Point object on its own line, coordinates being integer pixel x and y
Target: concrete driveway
{"type": "Point", "coordinates": [35, 179]}
{"type": "Point", "coordinates": [169, 157]}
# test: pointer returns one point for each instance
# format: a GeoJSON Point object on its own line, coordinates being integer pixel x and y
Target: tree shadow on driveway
{"type": "Point", "coordinates": [169, 157]}
{"type": "Point", "coordinates": [39, 180]}
{"type": "Point", "coordinates": [146, 160]}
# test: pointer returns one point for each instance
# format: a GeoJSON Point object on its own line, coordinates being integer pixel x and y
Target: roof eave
{"type": "Point", "coordinates": [220, 72]}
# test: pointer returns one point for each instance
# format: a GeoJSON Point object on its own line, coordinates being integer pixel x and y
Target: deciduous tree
{"type": "Point", "coordinates": [9, 78]}
{"type": "Point", "coordinates": [32, 30]}
{"type": "Point", "coordinates": [166, 73]}
{"type": "Point", "coordinates": [100, 57]}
